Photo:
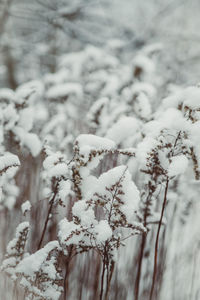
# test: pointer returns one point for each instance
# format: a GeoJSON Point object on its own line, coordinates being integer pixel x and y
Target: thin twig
{"type": "Point", "coordinates": [47, 218]}
{"type": "Point", "coordinates": [102, 281]}
{"type": "Point", "coordinates": [157, 239]}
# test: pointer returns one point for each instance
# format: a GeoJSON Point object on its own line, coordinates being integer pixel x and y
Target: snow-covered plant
{"type": "Point", "coordinates": [9, 164]}
{"type": "Point", "coordinates": [164, 154]}
{"type": "Point", "coordinates": [105, 214]}
{"type": "Point", "coordinates": [104, 220]}
{"type": "Point", "coordinates": [40, 275]}
{"type": "Point", "coordinates": [15, 251]}
{"type": "Point", "coordinates": [57, 185]}
{"type": "Point", "coordinates": [18, 119]}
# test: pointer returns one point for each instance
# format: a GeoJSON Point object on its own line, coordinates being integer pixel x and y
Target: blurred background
{"type": "Point", "coordinates": [33, 34]}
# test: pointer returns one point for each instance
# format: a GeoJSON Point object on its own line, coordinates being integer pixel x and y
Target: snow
{"type": "Point", "coordinates": [144, 147]}
{"type": "Point", "coordinates": [85, 214]}
{"type": "Point", "coordinates": [88, 143]}
{"type": "Point", "coordinates": [103, 231]}
{"type": "Point", "coordinates": [30, 140]}
{"type": "Point", "coordinates": [26, 119]}
{"type": "Point", "coordinates": [120, 195]}
{"type": "Point", "coordinates": [88, 181]}
{"type": "Point", "coordinates": [142, 106]}
{"type": "Point", "coordinates": [64, 90]}
{"type": "Point", "coordinates": [11, 247]}
{"type": "Point", "coordinates": [172, 118]}
{"type": "Point", "coordinates": [173, 100]}
{"type": "Point", "coordinates": [145, 63]}
{"type": "Point", "coordinates": [55, 165]}
{"type": "Point", "coordinates": [93, 142]}
{"type": "Point", "coordinates": [131, 196]}
{"type": "Point", "coordinates": [42, 262]}
{"type": "Point", "coordinates": [122, 129]}
{"type": "Point", "coordinates": [52, 159]}
{"type": "Point", "coordinates": [21, 227]}
{"type": "Point", "coordinates": [59, 170]}
{"type": "Point", "coordinates": [191, 97]}
{"type": "Point", "coordinates": [29, 92]}
{"type": "Point", "coordinates": [65, 229]}
{"type": "Point", "coordinates": [64, 190]}
{"type": "Point", "coordinates": [10, 117]}
{"type": "Point", "coordinates": [178, 165]}
{"type": "Point", "coordinates": [144, 87]}
{"type": "Point", "coordinates": [6, 95]}
{"type": "Point", "coordinates": [31, 264]}
{"type": "Point", "coordinates": [153, 128]}
{"type": "Point", "coordinates": [8, 161]}
{"type": "Point", "coordinates": [26, 206]}
{"type": "Point", "coordinates": [96, 108]}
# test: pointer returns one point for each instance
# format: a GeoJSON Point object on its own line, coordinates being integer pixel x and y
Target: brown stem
{"type": "Point", "coordinates": [65, 282]}
{"type": "Point", "coordinates": [137, 282]}
{"type": "Point", "coordinates": [47, 218]}
{"type": "Point", "coordinates": [102, 280]}
{"type": "Point", "coordinates": [141, 253]}
{"type": "Point", "coordinates": [157, 240]}
{"type": "Point", "coordinates": [109, 277]}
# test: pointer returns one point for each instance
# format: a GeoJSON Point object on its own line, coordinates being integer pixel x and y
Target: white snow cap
{"type": "Point", "coordinates": [131, 196]}
{"type": "Point", "coordinates": [125, 127]}
{"type": "Point", "coordinates": [191, 97]}
{"type": "Point", "coordinates": [94, 142]}
{"type": "Point", "coordinates": [103, 230]}
{"type": "Point", "coordinates": [178, 165]}
{"type": "Point", "coordinates": [64, 90]}
{"type": "Point", "coordinates": [90, 142]}
{"type": "Point", "coordinates": [33, 262]}
{"type": "Point", "coordinates": [26, 206]}
{"type": "Point", "coordinates": [9, 160]}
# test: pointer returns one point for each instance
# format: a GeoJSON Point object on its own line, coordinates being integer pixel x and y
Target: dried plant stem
{"type": "Point", "coordinates": [102, 280]}
{"type": "Point", "coordinates": [141, 255]}
{"type": "Point", "coordinates": [143, 244]}
{"type": "Point", "coordinates": [47, 218]}
{"type": "Point", "coordinates": [109, 277]}
{"type": "Point", "coordinates": [157, 240]}
{"type": "Point", "coordinates": [65, 281]}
